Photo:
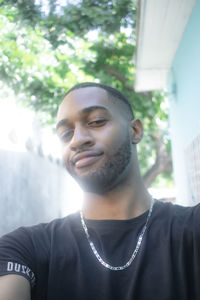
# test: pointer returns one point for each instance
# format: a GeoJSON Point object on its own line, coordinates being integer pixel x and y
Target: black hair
{"type": "Point", "coordinates": [114, 93]}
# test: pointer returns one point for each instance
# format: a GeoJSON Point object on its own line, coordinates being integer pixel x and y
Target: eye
{"type": "Point", "coordinates": [97, 123]}
{"type": "Point", "coordinates": [66, 136]}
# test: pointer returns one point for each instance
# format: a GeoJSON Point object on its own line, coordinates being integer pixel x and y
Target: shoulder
{"type": "Point", "coordinates": [42, 231]}
{"type": "Point", "coordinates": [176, 210]}
{"type": "Point", "coordinates": [177, 216]}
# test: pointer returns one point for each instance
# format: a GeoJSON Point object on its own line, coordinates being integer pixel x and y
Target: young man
{"type": "Point", "coordinates": [123, 244]}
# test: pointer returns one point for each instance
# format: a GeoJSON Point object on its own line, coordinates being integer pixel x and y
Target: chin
{"type": "Point", "coordinates": [94, 189]}
{"type": "Point", "coordinates": [98, 182]}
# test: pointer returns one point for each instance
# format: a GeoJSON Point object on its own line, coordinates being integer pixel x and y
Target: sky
{"type": "Point", "coordinates": [60, 4]}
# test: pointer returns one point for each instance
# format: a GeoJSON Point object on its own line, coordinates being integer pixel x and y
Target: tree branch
{"type": "Point", "coordinates": [118, 76]}
{"type": "Point", "coordinates": [113, 72]}
{"type": "Point", "coordinates": [162, 163]}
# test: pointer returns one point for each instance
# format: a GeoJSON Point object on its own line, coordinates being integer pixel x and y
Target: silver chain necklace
{"type": "Point", "coordinates": [139, 242]}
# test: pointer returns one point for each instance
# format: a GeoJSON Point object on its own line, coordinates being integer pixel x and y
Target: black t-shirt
{"type": "Point", "coordinates": [59, 263]}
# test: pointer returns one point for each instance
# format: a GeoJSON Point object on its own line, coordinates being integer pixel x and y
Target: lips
{"type": "Point", "coordinates": [85, 158]}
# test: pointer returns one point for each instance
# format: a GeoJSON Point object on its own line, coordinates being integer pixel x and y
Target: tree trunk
{"type": "Point", "coordinates": [162, 163]}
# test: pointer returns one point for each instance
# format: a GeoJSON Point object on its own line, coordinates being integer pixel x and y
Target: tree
{"type": "Point", "coordinates": [46, 50]}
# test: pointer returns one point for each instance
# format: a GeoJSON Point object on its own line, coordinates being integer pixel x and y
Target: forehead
{"type": "Point", "coordinates": [79, 99]}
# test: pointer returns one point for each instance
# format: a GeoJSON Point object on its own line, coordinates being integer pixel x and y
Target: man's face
{"type": "Point", "coordinates": [95, 136]}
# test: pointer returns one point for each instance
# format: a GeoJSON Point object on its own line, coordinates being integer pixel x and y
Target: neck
{"type": "Point", "coordinates": [126, 201]}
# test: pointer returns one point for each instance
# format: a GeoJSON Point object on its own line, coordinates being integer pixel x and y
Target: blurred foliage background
{"type": "Point", "coordinates": [47, 46]}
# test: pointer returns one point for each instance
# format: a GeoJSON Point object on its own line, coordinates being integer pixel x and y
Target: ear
{"type": "Point", "coordinates": [136, 131]}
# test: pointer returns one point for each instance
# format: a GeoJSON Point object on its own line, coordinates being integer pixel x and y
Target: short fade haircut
{"type": "Point", "coordinates": [114, 93]}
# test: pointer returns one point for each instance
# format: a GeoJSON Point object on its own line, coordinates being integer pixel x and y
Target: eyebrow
{"type": "Point", "coordinates": [83, 111]}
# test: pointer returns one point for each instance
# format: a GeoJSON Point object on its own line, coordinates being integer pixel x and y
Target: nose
{"type": "Point", "coordinates": [81, 139]}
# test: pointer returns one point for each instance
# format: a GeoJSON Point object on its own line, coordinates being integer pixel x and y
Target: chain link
{"type": "Point", "coordinates": [139, 242]}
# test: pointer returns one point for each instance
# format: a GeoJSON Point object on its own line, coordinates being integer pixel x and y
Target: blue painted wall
{"type": "Point", "coordinates": [184, 96]}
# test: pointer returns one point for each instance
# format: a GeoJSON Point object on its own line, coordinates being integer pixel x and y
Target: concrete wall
{"type": "Point", "coordinates": [32, 189]}
{"type": "Point", "coordinates": [184, 96]}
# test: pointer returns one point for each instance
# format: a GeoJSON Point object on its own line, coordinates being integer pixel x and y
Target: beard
{"type": "Point", "coordinates": [106, 177]}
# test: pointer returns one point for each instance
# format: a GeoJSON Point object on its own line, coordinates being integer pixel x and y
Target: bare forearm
{"type": "Point", "coordinates": [14, 287]}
